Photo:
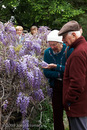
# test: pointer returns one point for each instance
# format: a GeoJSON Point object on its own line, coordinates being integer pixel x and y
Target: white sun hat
{"type": "Point", "coordinates": [53, 36]}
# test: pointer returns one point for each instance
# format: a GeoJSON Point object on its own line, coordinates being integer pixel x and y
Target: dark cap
{"type": "Point", "coordinates": [68, 27]}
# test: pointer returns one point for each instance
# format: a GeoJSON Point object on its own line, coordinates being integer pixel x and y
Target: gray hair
{"type": "Point", "coordinates": [78, 33]}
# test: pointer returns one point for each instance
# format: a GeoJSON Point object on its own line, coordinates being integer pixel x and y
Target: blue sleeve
{"type": "Point", "coordinates": [50, 73]}
{"type": "Point", "coordinates": [60, 68]}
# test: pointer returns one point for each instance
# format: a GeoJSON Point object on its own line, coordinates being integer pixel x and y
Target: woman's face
{"type": "Point", "coordinates": [34, 31]}
{"type": "Point", "coordinates": [55, 46]}
{"type": "Point", "coordinates": [19, 31]}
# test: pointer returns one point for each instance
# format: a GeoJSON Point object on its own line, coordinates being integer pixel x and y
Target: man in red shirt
{"type": "Point", "coordinates": [75, 76]}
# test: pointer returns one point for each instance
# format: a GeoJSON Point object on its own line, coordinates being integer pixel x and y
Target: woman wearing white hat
{"type": "Point", "coordinates": [56, 57]}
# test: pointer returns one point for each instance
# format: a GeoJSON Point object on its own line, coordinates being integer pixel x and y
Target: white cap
{"type": "Point", "coordinates": [53, 36]}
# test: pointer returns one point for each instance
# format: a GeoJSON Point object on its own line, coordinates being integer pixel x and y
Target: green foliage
{"type": "Point", "coordinates": [42, 12]}
{"type": "Point", "coordinates": [83, 22]}
{"type": "Point", "coordinates": [47, 116]}
{"type": "Point", "coordinates": [66, 125]}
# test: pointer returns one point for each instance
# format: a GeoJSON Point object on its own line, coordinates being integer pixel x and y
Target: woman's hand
{"type": "Point", "coordinates": [50, 66]}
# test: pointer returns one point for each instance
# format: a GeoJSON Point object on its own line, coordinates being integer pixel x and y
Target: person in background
{"type": "Point", "coordinates": [75, 76]}
{"type": "Point", "coordinates": [20, 34]}
{"type": "Point", "coordinates": [56, 58]}
{"type": "Point", "coordinates": [19, 30]}
{"type": "Point", "coordinates": [34, 30]}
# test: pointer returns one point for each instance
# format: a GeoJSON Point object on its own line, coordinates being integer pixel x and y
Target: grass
{"type": "Point", "coordinates": [66, 125]}
{"type": "Point", "coordinates": [47, 118]}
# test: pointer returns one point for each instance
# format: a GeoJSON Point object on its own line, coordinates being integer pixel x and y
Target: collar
{"type": "Point", "coordinates": [77, 42]}
{"type": "Point", "coordinates": [55, 53]}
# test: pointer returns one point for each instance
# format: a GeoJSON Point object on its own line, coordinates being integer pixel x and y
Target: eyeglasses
{"type": "Point", "coordinates": [55, 44]}
{"type": "Point", "coordinates": [52, 44]}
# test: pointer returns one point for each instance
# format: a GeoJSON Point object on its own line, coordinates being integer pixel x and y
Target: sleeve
{"type": "Point", "coordinates": [60, 68]}
{"type": "Point", "coordinates": [50, 73]}
{"type": "Point", "coordinates": [77, 73]}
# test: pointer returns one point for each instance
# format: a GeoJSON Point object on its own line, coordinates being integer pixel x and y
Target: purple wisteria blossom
{"type": "Point", "coordinates": [23, 102]}
{"type": "Point", "coordinates": [38, 95]}
{"type": "Point", "coordinates": [37, 48]}
{"type": "Point", "coordinates": [49, 91]}
{"type": "Point", "coordinates": [11, 52]}
{"type": "Point", "coordinates": [7, 34]}
{"type": "Point", "coordinates": [30, 78]}
{"type": "Point", "coordinates": [34, 44]}
{"type": "Point", "coordinates": [28, 68]}
{"type": "Point", "coordinates": [37, 78]}
{"type": "Point", "coordinates": [43, 29]}
{"type": "Point", "coordinates": [43, 64]}
{"type": "Point", "coordinates": [10, 66]}
{"type": "Point", "coordinates": [29, 46]}
{"type": "Point", "coordinates": [9, 27]}
{"type": "Point", "coordinates": [25, 124]}
{"type": "Point", "coordinates": [7, 66]}
{"type": "Point", "coordinates": [5, 103]}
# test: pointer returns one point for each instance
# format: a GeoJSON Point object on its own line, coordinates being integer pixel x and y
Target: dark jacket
{"type": "Point", "coordinates": [59, 59]}
{"type": "Point", "coordinates": [75, 80]}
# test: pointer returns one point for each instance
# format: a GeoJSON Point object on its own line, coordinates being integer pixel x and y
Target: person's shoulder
{"type": "Point", "coordinates": [64, 45]}
{"type": "Point", "coordinates": [69, 50]}
{"type": "Point", "coordinates": [47, 50]}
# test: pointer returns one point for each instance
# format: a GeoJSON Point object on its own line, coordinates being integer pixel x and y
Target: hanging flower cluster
{"type": "Point", "coordinates": [23, 102]}
{"type": "Point", "coordinates": [25, 124]}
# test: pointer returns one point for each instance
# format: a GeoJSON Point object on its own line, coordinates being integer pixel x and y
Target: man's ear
{"type": "Point", "coordinates": [73, 33]}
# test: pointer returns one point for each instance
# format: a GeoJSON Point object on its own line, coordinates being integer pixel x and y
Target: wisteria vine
{"type": "Point", "coordinates": [20, 65]}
